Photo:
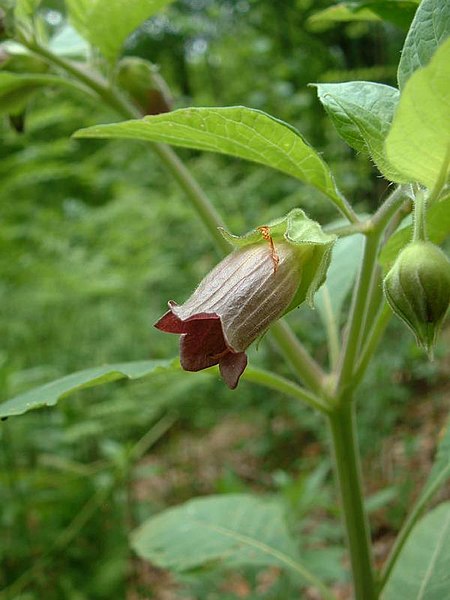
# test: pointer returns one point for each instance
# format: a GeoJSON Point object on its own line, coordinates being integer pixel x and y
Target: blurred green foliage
{"type": "Point", "coordinates": [95, 238]}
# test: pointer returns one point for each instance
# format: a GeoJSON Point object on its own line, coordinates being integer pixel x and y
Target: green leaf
{"type": "Point", "coordinates": [107, 23]}
{"type": "Point", "coordinates": [16, 90]}
{"type": "Point", "coordinates": [231, 530]}
{"type": "Point", "coordinates": [419, 140]}
{"type": "Point", "coordinates": [238, 131]}
{"type": "Point", "coordinates": [50, 393]}
{"type": "Point", "coordinates": [25, 8]}
{"type": "Point", "coordinates": [347, 253]}
{"type": "Point", "coordinates": [399, 12]}
{"type": "Point", "coordinates": [440, 472]}
{"type": "Point", "coordinates": [362, 113]}
{"type": "Point", "coordinates": [438, 229]}
{"type": "Point", "coordinates": [422, 571]}
{"type": "Point", "coordinates": [430, 27]}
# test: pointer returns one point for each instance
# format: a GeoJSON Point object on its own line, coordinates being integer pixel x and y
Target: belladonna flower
{"type": "Point", "coordinates": [273, 269]}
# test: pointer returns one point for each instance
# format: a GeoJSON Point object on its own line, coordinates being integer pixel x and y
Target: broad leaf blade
{"type": "Point", "coordinates": [422, 571]}
{"type": "Point", "coordinates": [107, 23]}
{"type": "Point", "coordinates": [430, 27]}
{"type": "Point", "coordinates": [231, 530]}
{"type": "Point", "coordinates": [237, 131]}
{"type": "Point", "coordinates": [438, 229]}
{"type": "Point", "coordinates": [419, 140]}
{"type": "Point", "coordinates": [50, 393]}
{"type": "Point", "coordinates": [362, 113]}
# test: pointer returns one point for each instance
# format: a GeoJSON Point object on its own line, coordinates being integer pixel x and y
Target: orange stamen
{"type": "Point", "coordinates": [265, 232]}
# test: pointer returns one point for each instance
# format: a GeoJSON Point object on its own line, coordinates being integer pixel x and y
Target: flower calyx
{"type": "Point", "coordinates": [417, 288]}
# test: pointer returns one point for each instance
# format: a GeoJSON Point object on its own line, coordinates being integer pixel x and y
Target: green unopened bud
{"type": "Point", "coordinates": [142, 81]}
{"type": "Point", "coordinates": [418, 290]}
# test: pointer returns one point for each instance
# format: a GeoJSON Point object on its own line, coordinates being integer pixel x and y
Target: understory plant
{"type": "Point", "coordinates": [277, 266]}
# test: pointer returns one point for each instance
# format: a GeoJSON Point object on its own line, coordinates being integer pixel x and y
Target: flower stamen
{"type": "Point", "coordinates": [265, 232]}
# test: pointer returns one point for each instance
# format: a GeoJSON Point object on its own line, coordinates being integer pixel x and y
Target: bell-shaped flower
{"type": "Point", "coordinates": [273, 269]}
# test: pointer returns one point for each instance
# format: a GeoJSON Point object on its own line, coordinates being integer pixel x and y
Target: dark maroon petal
{"type": "Point", "coordinates": [231, 366]}
{"type": "Point", "coordinates": [204, 345]}
{"type": "Point", "coordinates": [170, 323]}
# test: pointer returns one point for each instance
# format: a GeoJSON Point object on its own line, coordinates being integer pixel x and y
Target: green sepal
{"type": "Point", "coordinates": [312, 244]}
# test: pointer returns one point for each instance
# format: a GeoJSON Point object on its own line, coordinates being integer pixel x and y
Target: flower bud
{"type": "Point", "coordinates": [247, 291]}
{"type": "Point", "coordinates": [145, 85]}
{"type": "Point", "coordinates": [418, 290]}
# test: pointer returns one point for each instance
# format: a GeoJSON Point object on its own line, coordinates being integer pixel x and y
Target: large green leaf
{"type": "Point", "coordinates": [430, 27]}
{"type": "Point", "coordinates": [362, 113]}
{"type": "Point", "coordinates": [438, 229]}
{"type": "Point", "coordinates": [418, 144]}
{"type": "Point", "coordinates": [238, 131]}
{"type": "Point", "coordinates": [231, 530]}
{"type": "Point", "coordinates": [422, 571]}
{"type": "Point", "coordinates": [50, 393]}
{"type": "Point", "coordinates": [107, 23]}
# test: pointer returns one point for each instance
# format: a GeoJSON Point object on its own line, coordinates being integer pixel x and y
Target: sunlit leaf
{"type": "Point", "coordinates": [107, 23]}
{"type": "Point", "coordinates": [430, 27]}
{"type": "Point", "coordinates": [237, 131]}
{"type": "Point", "coordinates": [50, 393]}
{"type": "Point", "coordinates": [422, 571]}
{"type": "Point", "coordinates": [418, 143]}
{"type": "Point", "coordinates": [362, 113]}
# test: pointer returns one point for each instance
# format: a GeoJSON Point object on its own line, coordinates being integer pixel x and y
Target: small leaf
{"type": "Point", "coordinates": [107, 23]}
{"type": "Point", "coordinates": [422, 571]}
{"type": "Point", "coordinates": [50, 393]}
{"type": "Point", "coordinates": [438, 229]}
{"type": "Point", "coordinates": [231, 530]}
{"type": "Point", "coordinates": [362, 113]}
{"type": "Point", "coordinates": [430, 27]}
{"type": "Point", "coordinates": [419, 140]}
{"type": "Point", "coordinates": [238, 131]}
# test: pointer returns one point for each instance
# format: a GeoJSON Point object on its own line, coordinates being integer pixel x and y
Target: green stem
{"type": "Point", "coordinates": [371, 343]}
{"type": "Point", "coordinates": [333, 341]}
{"type": "Point", "coordinates": [420, 218]}
{"type": "Point", "coordinates": [285, 386]}
{"type": "Point", "coordinates": [303, 364]}
{"type": "Point", "coordinates": [200, 202]}
{"type": "Point", "coordinates": [358, 312]}
{"type": "Point", "coordinates": [348, 472]}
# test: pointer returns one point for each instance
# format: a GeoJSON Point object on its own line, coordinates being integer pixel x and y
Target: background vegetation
{"type": "Point", "coordinates": [95, 238]}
